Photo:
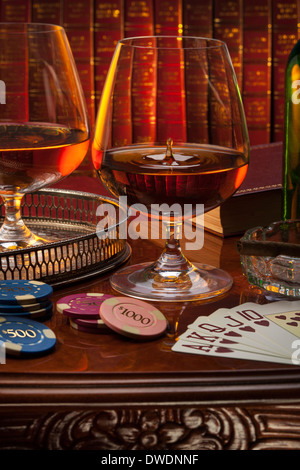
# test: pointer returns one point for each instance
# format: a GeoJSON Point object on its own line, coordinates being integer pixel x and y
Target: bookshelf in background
{"type": "Point", "coordinates": [139, 21]}
{"type": "Point", "coordinates": [285, 17]}
{"type": "Point", "coordinates": [16, 107]}
{"type": "Point", "coordinates": [197, 18]}
{"type": "Point", "coordinates": [108, 30]}
{"type": "Point", "coordinates": [43, 11]}
{"type": "Point", "coordinates": [259, 35]}
{"type": "Point", "coordinates": [168, 17]}
{"type": "Point", "coordinates": [144, 95]}
{"type": "Point", "coordinates": [197, 21]}
{"type": "Point", "coordinates": [171, 119]}
{"type": "Point", "coordinates": [228, 27]}
{"type": "Point", "coordinates": [77, 19]}
{"type": "Point", "coordinates": [256, 88]}
{"type": "Point", "coordinates": [138, 18]}
{"type": "Point", "coordinates": [16, 10]}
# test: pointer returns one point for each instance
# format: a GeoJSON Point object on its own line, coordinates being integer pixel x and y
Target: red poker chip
{"type": "Point", "coordinates": [87, 327]}
{"type": "Point", "coordinates": [90, 323]}
{"type": "Point", "coordinates": [133, 318]}
{"type": "Point", "coordinates": [86, 305]}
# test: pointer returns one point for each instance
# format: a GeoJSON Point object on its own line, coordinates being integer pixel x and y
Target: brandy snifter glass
{"type": "Point", "coordinates": [171, 133]}
{"type": "Point", "coordinates": [44, 130]}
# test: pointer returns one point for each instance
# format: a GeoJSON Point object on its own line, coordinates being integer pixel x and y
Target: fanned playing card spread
{"type": "Point", "coordinates": [250, 331]}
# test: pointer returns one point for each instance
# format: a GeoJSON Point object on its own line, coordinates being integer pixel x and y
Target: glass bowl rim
{"type": "Point", "coordinates": [11, 28]}
{"type": "Point", "coordinates": [211, 43]}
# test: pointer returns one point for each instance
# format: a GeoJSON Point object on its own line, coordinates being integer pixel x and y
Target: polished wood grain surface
{"type": "Point", "coordinates": [109, 355]}
{"type": "Point", "coordinates": [106, 391]}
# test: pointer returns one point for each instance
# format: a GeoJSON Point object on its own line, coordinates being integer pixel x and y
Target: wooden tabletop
{"type": "Point", "coordinates": [110, 368]}
{"type": "Point", "coordinates": [108, 392]}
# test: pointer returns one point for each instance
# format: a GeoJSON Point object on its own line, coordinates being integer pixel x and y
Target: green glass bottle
{"type": "Point", "coordinates": [291, 157]}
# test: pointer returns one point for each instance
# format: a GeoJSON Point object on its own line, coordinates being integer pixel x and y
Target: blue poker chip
{"type": "Point", "coordinates": [22, 292]}
{"type": "Point", "coordinates": [12, 309]}
{"type": "Point", "coordinates": [22, 336]}
{"type": "Point", "coordinates": [38, 314]}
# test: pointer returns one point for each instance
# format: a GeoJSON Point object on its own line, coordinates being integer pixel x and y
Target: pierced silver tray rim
{"type": "Point", "coordinates": [73, 275]}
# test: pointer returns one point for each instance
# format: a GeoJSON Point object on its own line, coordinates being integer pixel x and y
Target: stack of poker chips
{"type": "Point", "coordinates": [98, 313]}
{"type": "Point", "coordinates": [83, 311]}
{"type": "Point", "coordinates": [29, 299]}
{"type": "Point", "coordinates": [23, 305]}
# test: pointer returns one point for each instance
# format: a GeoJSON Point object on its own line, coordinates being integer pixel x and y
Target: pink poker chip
{"type": "Point", "coordinates": [133, 318]}
{"type": "Point", "coordinates": [85, 305]}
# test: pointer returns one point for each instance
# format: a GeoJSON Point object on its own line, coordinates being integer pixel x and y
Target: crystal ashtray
{"type": "Point", "coordinates": [78, 249]}
{"type": "Point", "coordinates": [270, 257]}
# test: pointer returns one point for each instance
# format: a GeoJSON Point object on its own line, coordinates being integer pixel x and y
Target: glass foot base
{"type": "Point", "coordinates": [143, 282]}
{"type": "Point", "coordinates": [13, 241]}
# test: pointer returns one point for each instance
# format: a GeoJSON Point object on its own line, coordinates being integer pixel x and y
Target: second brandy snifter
{"type": "Point", "coordinates": [44, 130]}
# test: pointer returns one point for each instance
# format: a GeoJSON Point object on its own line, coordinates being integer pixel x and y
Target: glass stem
{"type": "Point", "coordinates": [172, 262]}
{"type": "Point", "coordinates": [13, 227]}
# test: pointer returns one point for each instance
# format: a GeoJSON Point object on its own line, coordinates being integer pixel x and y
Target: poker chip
{"type": "Point", "coordinates": [91, 323]}
{"type": "Point", "coordinates": [31, 309]}
{"type": "Point", "coordinates": [22, 292]}
{"type": "Point", "coordinates": [82, 325]}
{"type": "Point", "coordinates": [41, 314]}
{"type": "Point", "coordinates": [85, 305]}
{"type": "Point", "coordinates": [133, 318]}
{"type": "Point", "coordinates": [22, 336]}
{"type": "Point", "coordinates": [99, 312]}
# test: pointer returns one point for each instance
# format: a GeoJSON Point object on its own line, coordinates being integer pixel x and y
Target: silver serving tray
{"type": "Point", "coordinates": [76, 249]}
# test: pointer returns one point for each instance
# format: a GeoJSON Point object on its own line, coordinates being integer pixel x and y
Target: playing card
{"type": "Point", "coordinates": [290, 321]}
{"type": "Point", "coordinates": [222, 351]}
{"type": "Point", "coordinates": [198, 337]}
{"type": "Point", "coordinates": [222, 323]}
{"type": "Point", "coordinates": [207, 326]}
{"type": "Point", "coordinates": [247, 318]}
{"type": "Point", "coordinates": [285, 314]}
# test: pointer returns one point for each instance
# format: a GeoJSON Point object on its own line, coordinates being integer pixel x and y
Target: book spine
{"type": "Point", "coordinates": [197, 21]}
{"type": "Point", "coordinates": [197, 93]}
{"type": "Point", "coordinates": [139, 21]}
{"type": "Point", "coordinates": [256, 90]}
{"type": "Point", "coordinates": [170, 102]}
{"type": "Point", "coordinates": [42, 11]}
{"type": "Point", "coordinates": [228, 27]}
{"type": "Point", "coordinates": [144, 95]}
{"type": "Point", "coordinates": [16, 106]}
{"type": "Point", "coordinates": [78, 21]}
{"type": "Point", "coordinates": [285, 17]}
{"type": "Point", "coordinates": [121, 132]}
{"type": "Point", "coordinates": [108, 30]}
{"type": "Point", "coordinates": [138, 18]}
{"type": "Point", "coordinates": [221, 130]}
{"type": "Point", "coordinates": [16, 85]}
{"type": "Point", "coordinates": [16, 11]}
{"type": "Point", "coordinates": [168, 17]}
{"type": "Point", "coordinates": [197, 18]}
{"type": "Point", "coordinates": [171, 97]}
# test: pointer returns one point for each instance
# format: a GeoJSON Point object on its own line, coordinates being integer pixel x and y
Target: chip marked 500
{"type": "Point", "coordinates": [24, 336]}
